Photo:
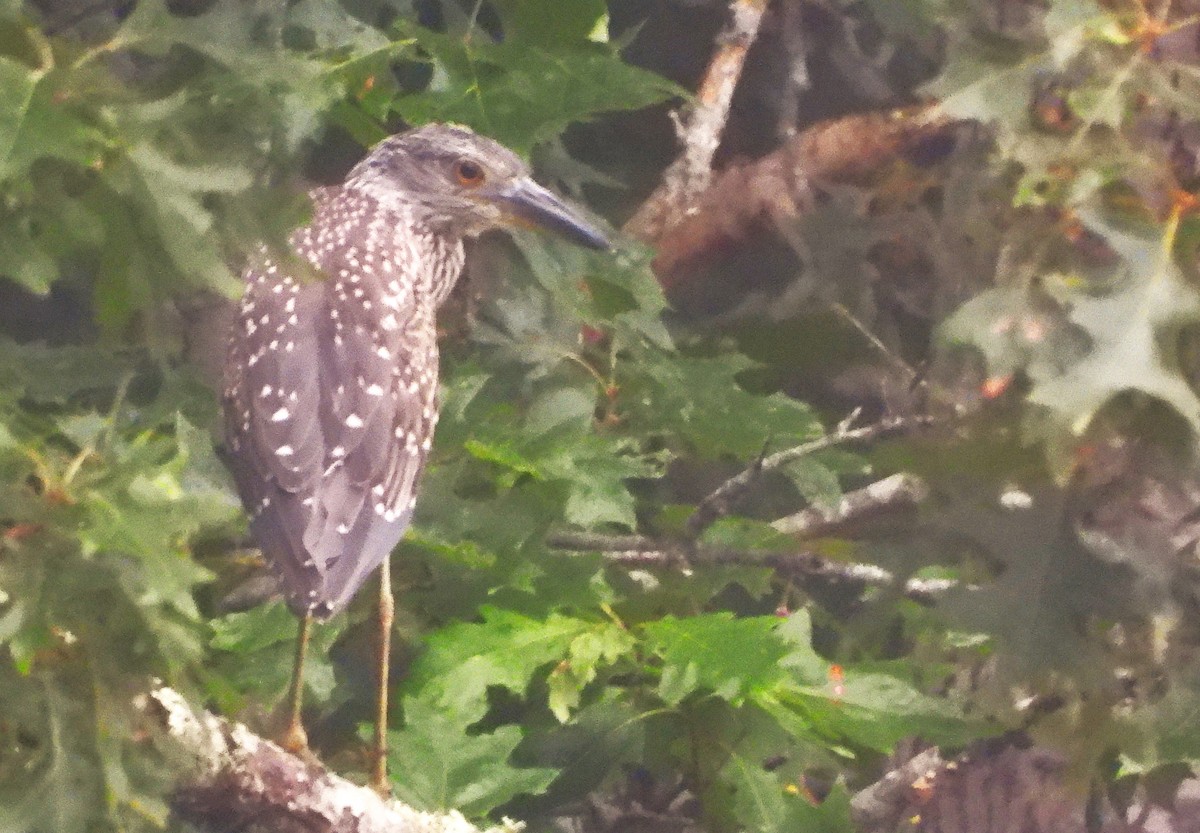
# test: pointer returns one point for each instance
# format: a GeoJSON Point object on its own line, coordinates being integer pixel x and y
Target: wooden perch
{"type": "Point", "coordinates": [240, 782]}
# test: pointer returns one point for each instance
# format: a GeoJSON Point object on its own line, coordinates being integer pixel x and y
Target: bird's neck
{"type": "Point", "coordinates": [425, 252]}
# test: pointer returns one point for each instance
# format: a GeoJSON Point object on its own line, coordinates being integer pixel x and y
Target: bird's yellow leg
{"type": "Point", "coordinates": [294, 737]}
{"type": "Point", "coordinates": [379, 777]}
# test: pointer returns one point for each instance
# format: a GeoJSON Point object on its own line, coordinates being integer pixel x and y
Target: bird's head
{"type": "Point", "coordinates": [466, 183]}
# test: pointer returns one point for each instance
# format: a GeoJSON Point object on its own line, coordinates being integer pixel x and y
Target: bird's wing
{"type": "Point", "coordinates": [330, 404]}
{"type": "Point", "coordinates": [275, 444]}
{"type": "Point", "coordinates": [382, 352]}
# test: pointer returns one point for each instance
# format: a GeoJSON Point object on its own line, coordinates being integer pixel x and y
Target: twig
{"type": "Point", "coordinates": [700, 129]}
{"type": "Point", "coordinates": [889, 355]}
{"type": "Point", "coordinates": [589, 541]}
{"type": "Point", "coordinates": [238, 781]}
{"type": "Point", "coordinates": [717, 503]}
{"type": "Point", "coordinates": [891, 494]}
{"type": "Point", "coordinates": [810, 571]}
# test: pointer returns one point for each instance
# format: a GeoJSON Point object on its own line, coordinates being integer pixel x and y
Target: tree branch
{"type": "Point", "coordinates": [815, 574]}
{"type": "Point", "coordinates": [237, 781]}
{"type": "Point", "coordinates": [881, 806]}
{"type": "Point", "coordinates": [818, 576]}
{"type": "Point", "coordinates": [891, 494]}
{"type": "Point", "coordinates": [771, 192]}
{"type": "Point", "coordinates": [700, 129]}
{"type": "Point", "coordinates": [717, 504]}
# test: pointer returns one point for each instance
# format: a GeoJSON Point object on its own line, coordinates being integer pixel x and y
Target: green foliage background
{"type": "Point", "coordinates": [138, 162]}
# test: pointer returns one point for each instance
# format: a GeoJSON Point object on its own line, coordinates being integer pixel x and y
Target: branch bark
{"type": "Point", "coordinates": [236, 781]}
{"type": "Point", "coordinates": [883, 497]}
{"type": "Point", "coordinates": [700, 129]}
{"type": "Point", "coordinates": [815, 574]}
{"type": "Point", "coordinates": [771, 192]}
{"type": "Point", "coordinates": [881, 806]}
{"type": "Point", "coordinates": [717, 504]}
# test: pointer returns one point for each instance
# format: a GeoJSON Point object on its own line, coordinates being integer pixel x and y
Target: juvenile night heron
{"type": "Point", "coordinates": [331, 385]}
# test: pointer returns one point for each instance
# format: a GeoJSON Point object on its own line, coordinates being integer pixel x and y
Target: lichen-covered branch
{"type": "Point", "coordinates": [233, 780]}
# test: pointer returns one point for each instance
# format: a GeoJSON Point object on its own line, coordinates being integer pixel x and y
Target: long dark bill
{"type": "Point", "coordinates": [538, 207]}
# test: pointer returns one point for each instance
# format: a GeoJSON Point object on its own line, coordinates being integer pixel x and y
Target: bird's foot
{"type": "Point", "coordinates": [295, 740]}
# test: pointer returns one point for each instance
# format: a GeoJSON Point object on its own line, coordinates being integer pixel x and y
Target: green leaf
{"type": "Point", "coordinates": [992, 80]}
{"type": "Point", "coordinates": [261, 645]}
{"type": "Point", "coordinates": [559, 407]}
{"type": "Point", "coordinates": [761, 801]}
{"type": "Point", "coordinates": [502, 455]}
{"type": "Point", "coordinates": [700, 401]}
{"type": "Point", "coordinates": [870, 710]}
{"type": "Point", "coordinates": [743, 533]}
{"type": "Point", "coordinates": [434, 766]}
{"type": "Point", "coordinates": [602, 646]}
{"type": "Point", "coordinates": [61, 786]}
{"type": "Point", "coordinates": [1130, 329]}
{"type": "Point", "coordinates": [17, 85]}
{"type": "Point", "coordinates": [554, 22]}
{"type": "Point", "coordinates": [1050, 583]}
{"type": "Point", "coordinates": [55, 375]}
{"type": "Point", "coordinates": [832, 815]}
{"type": "Point", "coordinates": [521, 94]}
{"type": "Point", "coordinates": [462, 660]}
{"type": "Point", "coordinates": [731, 658]}
{"type": "Point", "coordinates": [253, 630]}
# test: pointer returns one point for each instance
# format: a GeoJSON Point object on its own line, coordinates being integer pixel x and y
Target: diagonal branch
{"type": "Point", "coordinates": [885, 497]}
{"type": "Point", "coordinates": [717, 504]}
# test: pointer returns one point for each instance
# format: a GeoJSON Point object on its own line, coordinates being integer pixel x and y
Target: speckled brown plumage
{"type": "Point", "coordinates": [331, 384]}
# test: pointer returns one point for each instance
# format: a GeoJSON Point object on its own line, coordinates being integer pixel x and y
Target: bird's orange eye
{"type": "Point", "coordinates": [469, 173]}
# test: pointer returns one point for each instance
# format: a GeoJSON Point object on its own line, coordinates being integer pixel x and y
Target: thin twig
{"type": "Point", "coordinates": [716, 504]}
{"type": "Point", "coordinates": [589, 541]}
{"type": "Point", "coordinates": [889, 355]}
{"type": "Point", "coordinates": [807, 569]}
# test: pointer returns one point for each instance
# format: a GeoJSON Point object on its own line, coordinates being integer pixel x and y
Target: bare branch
{"type": "Point", "coordinates": [717, 504]}
{"type": "Point", "coordinates": [589, 542]}
{"type": "Point", "coordinates": [891, 494]}
{"type": "Point", "coordinates": [813, 573]}
{"type": "Point", "coordinates": [238, 781]}
{"type": "Point", "coordinates": [701, 127]}
{"type": "Point", "coordinates": [770, 193]}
